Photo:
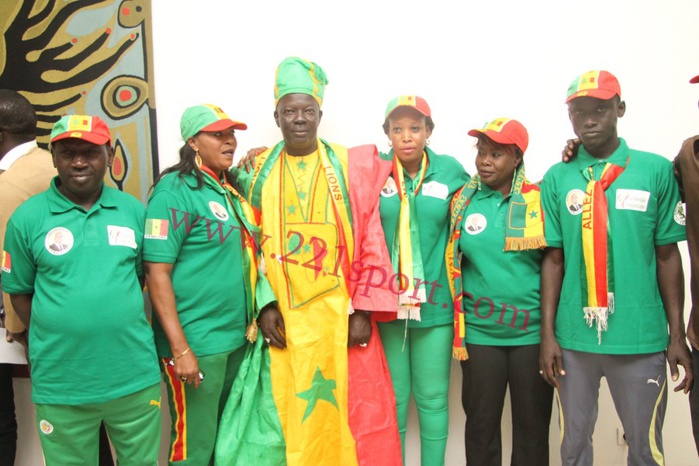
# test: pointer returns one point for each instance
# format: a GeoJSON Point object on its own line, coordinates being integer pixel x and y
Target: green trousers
{"type": "Point", "coordinates": [420, 361]}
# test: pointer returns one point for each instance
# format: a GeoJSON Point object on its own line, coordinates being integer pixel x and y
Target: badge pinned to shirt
{"type": "Point", "coordinates": [435, 189]}
{"type": "Point", "coordinates": [59, 241]}
{"type": "Point", "coordinates": [121, 236]}
{"type": "Point", "coordinates": [218, 210]}
{"type": "Point", "coordinates": [632, 199]}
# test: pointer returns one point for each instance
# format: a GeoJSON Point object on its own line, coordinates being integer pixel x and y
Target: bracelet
{"type": "Point", "coordinates": [175, 358]}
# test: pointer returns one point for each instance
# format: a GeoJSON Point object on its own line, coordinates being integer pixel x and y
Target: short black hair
{"type": "Point", "coordinates": [17, 116]}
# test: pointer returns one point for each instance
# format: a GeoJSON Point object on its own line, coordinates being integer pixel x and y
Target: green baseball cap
{"type": "Point", "coordinates": [206, 117]}
{"type": "Point", "coordinates": [298, 76]}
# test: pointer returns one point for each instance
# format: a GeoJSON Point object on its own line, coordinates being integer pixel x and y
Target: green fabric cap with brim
{"type": "Point", "coordinates": [206, 117]}
{"type": "Point", "coordinates": [298, 76]}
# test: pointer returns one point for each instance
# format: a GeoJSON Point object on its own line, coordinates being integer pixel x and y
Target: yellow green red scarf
{"type": "Point", "coordinates": [597, 247]}
{"type": "Point", "coordinates": [249, 220]}
{"type": "Point", "coordinates": [406, 257]}
{"type": "Point", "coordinates": [524, 230]}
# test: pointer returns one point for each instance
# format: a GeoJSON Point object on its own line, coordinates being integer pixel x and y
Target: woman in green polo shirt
{"type": "Point", "coordinates": [494, 256]}
{"type": "Point", "coordinates": [200, 267]}
{"type": "Point", "coordinates": [414, 211]}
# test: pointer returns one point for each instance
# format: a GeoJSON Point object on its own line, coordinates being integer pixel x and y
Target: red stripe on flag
{"type": "Point", "coordinates": [178, 452]}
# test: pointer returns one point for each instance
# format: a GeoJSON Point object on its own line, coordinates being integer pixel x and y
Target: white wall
{"type": "Point", "coordinates": [472, 61]}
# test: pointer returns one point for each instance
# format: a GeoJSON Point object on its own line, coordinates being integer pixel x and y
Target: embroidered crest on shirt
{"type": "Point", "coordinates": [679, 214]}
{"type": "Point", "coordinates": [475, 223]}
{"type": "Point", "coordinates": [59, 241]}
{"type": "Point", "coordinates": [45, 426]}
{"type": "Point", "coordinates": [156, 228]}
{"type": "Point", "coordinates": [574, 201]}
{"type": "Point", "coordinates": [6, 262]}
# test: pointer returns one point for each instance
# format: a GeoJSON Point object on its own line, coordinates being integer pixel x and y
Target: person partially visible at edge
{"type": "Point", "coordinates": [612, 280]}
{"type": "Point", "coordinates": [91, 348]}
{"type": "Point", "coordinates": [325, 257]}
{"type": "Point", "coordinates": [687, 173]}
{"type": "Point", "coordinates": [415, 218]}
{"type": "Point", "coordinates": [200, 258]}
{"type": "Point", "coordinates": [496, 268]}
{"type": "Point", "coordinates": [25, 170]}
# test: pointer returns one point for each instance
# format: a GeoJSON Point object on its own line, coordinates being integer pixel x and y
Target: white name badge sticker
{"type": "Point", "coordinates": [121, 236]}
{"type": "Point", "coordinates": [632, 199]}
{"type": "Point", "coordinates": [435, 189]}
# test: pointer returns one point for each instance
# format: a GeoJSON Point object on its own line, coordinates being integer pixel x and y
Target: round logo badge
{"type": "Point", "coordinates": [218, 210]}
{"type": "Point", "coordinates": [59, 241]}
{"type": "Point", "coordinates": [475, 223]}
{"type": "Point", "coordinates": [679, 214]}
{"type": "Point", "coordinates": [574, 201]}
{"type": "Point", "coordinates": [389, 188]}
{"type": "Point", "coordinates": [45, 427]}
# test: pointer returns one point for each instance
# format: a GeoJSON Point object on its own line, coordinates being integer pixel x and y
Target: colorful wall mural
{"type": "Point", "coordinates": [88, 57]}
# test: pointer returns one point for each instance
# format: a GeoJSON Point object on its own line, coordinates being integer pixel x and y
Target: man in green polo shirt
{"type": "Point", "coordinates": [612, 279]}
{"type": "Point", "coordinates": [72, 268]}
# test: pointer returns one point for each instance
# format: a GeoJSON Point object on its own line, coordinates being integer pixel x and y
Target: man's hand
{"type": "Point", "coordinates": [678, 354]}
{"type": "Point", "coordinates": [271, 324]}
{"type": "Point", "coordinates": [570, 151]}
{"type": "Point", "coordinates": [248, 162]}
{"type": "Point", "coordinates": [359, 331]}
{"type": "Point", "coordinates": [693, 331]}
{"type": "Point", "coordinates": [551, 361]}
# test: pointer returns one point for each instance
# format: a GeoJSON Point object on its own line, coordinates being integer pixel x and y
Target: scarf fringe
{"type": "Point", "coordinates": [409, 307]}
{"type": "Point", "coordinates": [525, 244]}
{"type": "Point", "coordinates": [601, 316]}
{"type": "Point", "coordinates": [459, 353]}
{"type": "Point", "coordinates": [409, 312]}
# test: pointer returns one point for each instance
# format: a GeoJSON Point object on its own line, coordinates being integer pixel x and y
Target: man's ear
{"type": "Point", "coordinates": [110, 156]}
{"type": "Point", "coordinates": [621, 109]}
{"type": "Point", "coordinates": [276, 118]}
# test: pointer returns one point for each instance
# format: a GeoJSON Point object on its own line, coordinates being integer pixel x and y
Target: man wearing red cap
{"type": "Point", "coordinates": [687, 172]}
{"type": "Point", "coordinates": [90, 345]}
{"type": "Point", "coordinates": [611, 282]}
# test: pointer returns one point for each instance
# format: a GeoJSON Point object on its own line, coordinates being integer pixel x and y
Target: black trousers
{"type": "Point", "coordinates": [694, 399]}
{"type": "Point", "coordinates": [486, 376]}
{"type": "Point", "coordinates": [8, 422]}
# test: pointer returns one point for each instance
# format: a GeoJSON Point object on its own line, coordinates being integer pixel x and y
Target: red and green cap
{"type": "Point", "coordinates": [298, 76]}
{"type": "Point", "coordinates": [206, 117]}
{"type": "Point", "coordinates": [694, 80]}
{"type": "Point", "coordinates": [599, 84]}
{"type": "Point", "coordinates": [505, 131]}
{"type": "Point", "coordinates": [412, 101]}
{"type": "Point", "coordinates": [88, 128]}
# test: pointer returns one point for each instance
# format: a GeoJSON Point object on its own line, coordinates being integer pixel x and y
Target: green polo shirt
{"type": "Point", "coordinates": [89, 340]}
{"type": "Point", "coordinates": [198, 232]}
{"type": "Point", "coordinates": [501, 288]}
{"type": "Point", "coordinates": [444, 176]}
{"type": "Point", "coordinates": [644, 205]}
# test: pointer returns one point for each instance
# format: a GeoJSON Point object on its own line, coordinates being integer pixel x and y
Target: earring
{"type": "Point", "coordinates": [427, 141]}
{"type": "Point", "coordinates": [390, 143]}
{"type": "Point", "coordinates": [197, 159]}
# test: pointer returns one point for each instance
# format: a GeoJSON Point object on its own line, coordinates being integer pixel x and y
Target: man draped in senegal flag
{"type": "Point", "coordinates": [327, 263]}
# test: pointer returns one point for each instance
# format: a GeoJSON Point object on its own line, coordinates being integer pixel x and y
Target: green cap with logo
{"type": "Point", "coordinates": [206, 117]}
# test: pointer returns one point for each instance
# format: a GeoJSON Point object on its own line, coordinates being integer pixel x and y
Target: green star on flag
{"type": "Point", "coordinates": [321, 389]}
{"type": "Point", "coordinates": [533, 214]}
{"type": "Point", "coordinates": [292, 208]}
{"type": "Point", "coordinates": [301, 165]}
